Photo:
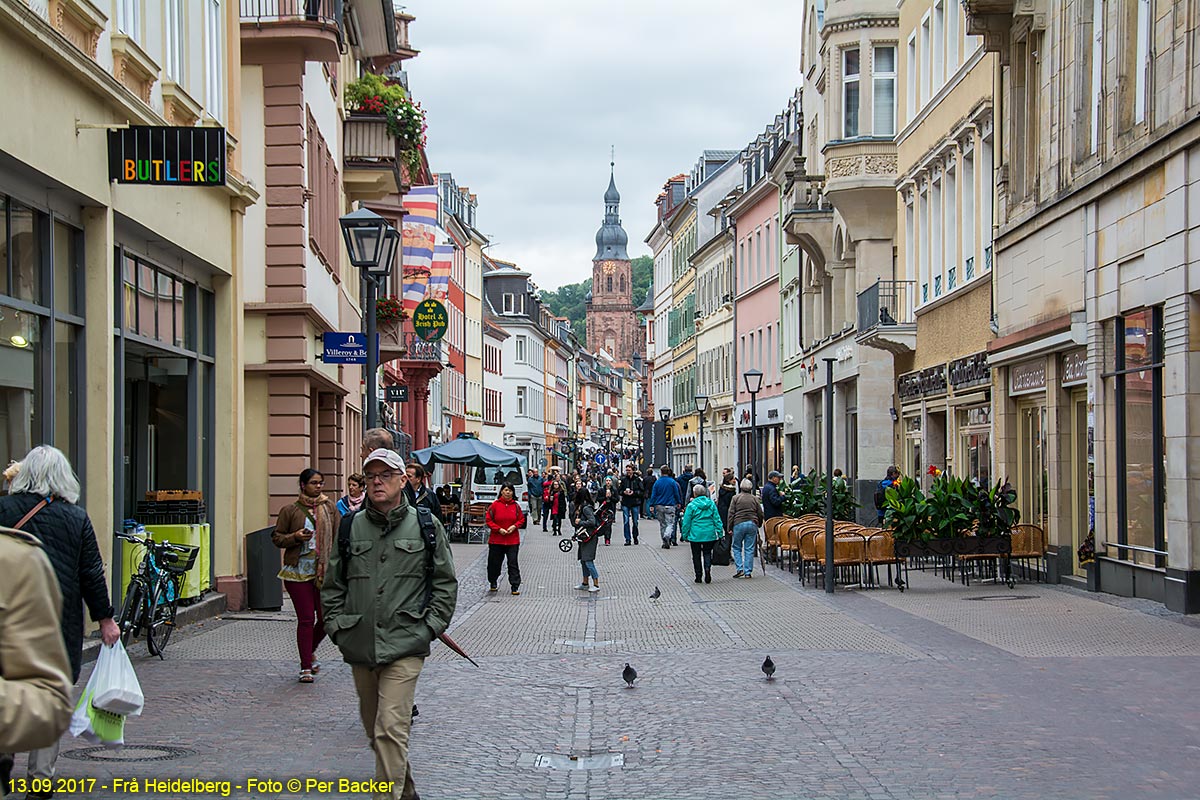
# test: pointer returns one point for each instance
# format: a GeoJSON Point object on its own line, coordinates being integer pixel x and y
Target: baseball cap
{"type": "Point", "coordinates": [389, 457]}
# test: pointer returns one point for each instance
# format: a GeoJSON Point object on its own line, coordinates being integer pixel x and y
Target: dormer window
{"type": "Point", "coordinates": [509, 303]}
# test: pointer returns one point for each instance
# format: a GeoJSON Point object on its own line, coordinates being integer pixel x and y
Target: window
{"type": "Point", "coordinates": [912, 70]}
{"type": "Point", "coordinates": [926, 62]}
{"type": "Point", "coordinates": [622, 284]}
{"type": "Point", "coordinates": [949, 224]}
{"type": "Point", "coordinates": [214, 63]}
{"type": "Point", "coordinates": [522, 407]}
{"type": "Point", "coordinates": [924, 244]}
{"type": "Point", "coordinates": [521, 349]}
{"type": "Point", "coordinates": [322, 183]}
{"type": "Point", "coordinates": [968, 214]}
{"type": "Point", "coordinates": [850, 91]}
{"type": "Point", "coordinates": [884, 91]}
{"type": "Point", "coordinates": [952, 37]}
{"type": "Point", "coordinates": [987, 186]}
{"type": "Point", "coordinates": [1097, 55]}
{"type": "Point", "coordinates": [939, 44]}
{"type": "Point", "coordinates": [1141, 60]}
{"type": "Point", "coordinates": [173, 16]}
{"type": "Point", "coordinates": [1141, 444]}
{"type": "Point", "coordinates": [910, 243]}
{"type": "Point", "coordinates": [129, 18]}
{"type": "Point", "coordinates": [507, 303]}
{"type": "Point", "coordinates": [608, 284]}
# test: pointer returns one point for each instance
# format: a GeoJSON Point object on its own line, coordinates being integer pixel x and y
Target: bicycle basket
{"type": "Point", "coordinates": [177, 563]}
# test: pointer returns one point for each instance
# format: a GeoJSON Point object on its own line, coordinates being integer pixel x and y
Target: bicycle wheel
{"type": "Point", "coordinates": [131, 612]}
{"type": "Point", "coordinates": [162, 611]}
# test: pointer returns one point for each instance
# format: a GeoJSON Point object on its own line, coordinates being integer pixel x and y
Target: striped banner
{"type": "Point", "coordinates": [421, 235]}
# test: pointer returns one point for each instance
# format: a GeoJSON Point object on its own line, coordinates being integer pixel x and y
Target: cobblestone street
{"type": "Point", "coordinates": [941, 692]}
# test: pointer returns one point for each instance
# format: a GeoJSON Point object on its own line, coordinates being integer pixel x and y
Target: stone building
{"type": "Point", "coordinates": [1095, 366]}
{"type": "Point", "coordinates": [611, 324]}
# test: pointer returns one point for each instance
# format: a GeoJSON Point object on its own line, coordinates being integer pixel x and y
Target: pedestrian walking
{"type": "Point", "coordinates": [609, 498]}
{"type": "Point", "coordinates": [356, 493]}
{"type": "Point", "coordinates": [892, 478]}
{"type": "Point", "coordinates": [772, 498]}
{"type": "Point", "coordinates": [647, 487]}
{"type": "Point", "coordinates": [35, 692]}
{"type": "Point", "coordinates": [702, 528]}
{"type": "Point", "coordinates": [304, 530]}
{"type": "Point", "coordinates": [725, 493]}
{"type": "Point", "coordinates": [43, 503]}
{"type": "Point", "coordinates": [401, 597]}
{"type": "Point", "coordinates": [665, 501]}
{"type": "Point", "coordinates": [418, 493]}
{"type": "Point", "coordinates": [745, 517]}
{"type": "Point", "coordinates": [558, 505]}
{"type": "Point", "coordinates": [631, 503]}
{"type": "Point", "coordinates": [586, 526]}
{"type": "Point", "coordinates": [504, 520]}
{"type": "Point", "coordinates": [533, 485]}
{"type": "Point", "coordinates": [547, 505]}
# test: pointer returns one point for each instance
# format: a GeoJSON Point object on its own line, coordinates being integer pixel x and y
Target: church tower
{"type": "Point", "coordinates": [611, 324]}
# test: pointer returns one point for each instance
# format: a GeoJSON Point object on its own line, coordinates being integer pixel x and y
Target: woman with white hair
{"type": "Point", "coordinates": [744, 518]}
{"type": "Point", "coordinates": [42, 502]}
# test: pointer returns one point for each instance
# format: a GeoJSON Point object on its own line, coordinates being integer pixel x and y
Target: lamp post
{"type": "Point", "coordinates": [639, 423]}
{"type": "Point", "coordinates": [828, 410]}
{"type": "Point", "coordinates": [702, 409]}
{"type": "Point", "coordinates": [371, 244]}
{"type": "Point", "coordinates": [665, 415]}
{"type": "Point", "coordinates": [753, 379]}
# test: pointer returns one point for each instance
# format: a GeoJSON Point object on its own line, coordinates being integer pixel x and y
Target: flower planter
{"type": "Point", "coordinates": [1000, 546]}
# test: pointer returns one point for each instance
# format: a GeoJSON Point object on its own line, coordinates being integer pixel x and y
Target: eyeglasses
{"type": "Point", "coordinates": [381, 477]}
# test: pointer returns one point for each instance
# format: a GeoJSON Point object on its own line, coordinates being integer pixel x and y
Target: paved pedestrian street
{"type": "Point", "coordinates": [941, 692]}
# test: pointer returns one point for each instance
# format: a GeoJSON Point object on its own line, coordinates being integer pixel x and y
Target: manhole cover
{"type": "Point", "coordinates": [572, 762]}
{"type": "Point", "coordinates": [997, 597]}
{"type": "Point", "coordinates": [145, 752]}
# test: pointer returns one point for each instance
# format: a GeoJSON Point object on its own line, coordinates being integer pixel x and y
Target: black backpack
{"type": "Point", "coordinates": [880, 497]}
{"type": "Point", "coordinates": [428, 535]}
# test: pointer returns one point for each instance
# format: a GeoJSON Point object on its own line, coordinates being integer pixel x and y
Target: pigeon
{"type": "Point", "coordinates": [656, 594]}
{"type": "Point", "coordinates": [629, 675]}
{"type": "Point", "coordinates": [768, 668]}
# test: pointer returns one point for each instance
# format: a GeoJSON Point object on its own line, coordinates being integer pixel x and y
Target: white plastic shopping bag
{"type": "Point", "coordinates": [117, 689]}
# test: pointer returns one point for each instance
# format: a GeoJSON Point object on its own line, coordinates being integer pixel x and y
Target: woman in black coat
{"type": "Point", "coordinates": [46, 482]}
{"type": "Point", "coordinates": [586, 525]}
{"type": "Point", "coordinates": [725, 493]}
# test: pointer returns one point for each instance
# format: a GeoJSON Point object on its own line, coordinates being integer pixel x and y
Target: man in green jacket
{"type": "Point", "coordinates": [382, 610]}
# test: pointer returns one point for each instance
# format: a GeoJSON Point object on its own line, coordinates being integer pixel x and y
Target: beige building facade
{"type": "Point", "coordinates": [120, 304]}
{"type": "Point", "coordinates": [1097, 275]}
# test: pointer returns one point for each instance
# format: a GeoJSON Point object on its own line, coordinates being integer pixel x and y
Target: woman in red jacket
{"type": "Point", "coordinates": [505, 520]}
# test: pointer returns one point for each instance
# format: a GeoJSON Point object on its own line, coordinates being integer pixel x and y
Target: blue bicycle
{"type": "Point", "coordinates": [152, 596]}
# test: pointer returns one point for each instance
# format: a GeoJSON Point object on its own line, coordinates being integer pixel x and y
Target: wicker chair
{"type": "Point", "coordinates": [881, 549]}
{"type": "Point", "coordinates": [1029, 546]}
{"type": "Point", "coordinates": [770, 531]}
{"type": "Point", "coordinates": [849, 554]}
{"type": "Point", "coordinates": [790, 542]}
{"type": "Point", "coordinates": [806, 543]}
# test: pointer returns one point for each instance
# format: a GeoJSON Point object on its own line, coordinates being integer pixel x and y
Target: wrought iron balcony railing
{"type": "Point", "coordinates": [886, 303]}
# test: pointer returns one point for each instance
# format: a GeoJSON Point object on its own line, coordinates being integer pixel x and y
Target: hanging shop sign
{"type": "Point", "coordinates": [925, 383]}
{"type": "Point", "coordinates": [430, 320]}
{"type": "Point", "coordinates": [1074, 368]}
{"type": "Point", "coordinates": [1027, 377]}
{"type": "Point", "coordinates": [345, 348]}
{"type": "Point", "coordinates": [395, 394]}
{"type": "Point", "coordinates": [970, 371]}
{"type": "Point", "coordinates": [167, 156]}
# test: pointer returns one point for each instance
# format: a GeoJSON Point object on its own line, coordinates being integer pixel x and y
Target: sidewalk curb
{"type": "Point", "coordinates": [211, 605]}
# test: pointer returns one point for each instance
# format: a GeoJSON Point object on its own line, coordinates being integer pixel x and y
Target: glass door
{"type": "Point", "coordinates": [1079, 476]}
{"type": "Point", "coordinates": [1032, 489]}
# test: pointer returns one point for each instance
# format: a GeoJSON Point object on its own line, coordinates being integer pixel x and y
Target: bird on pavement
{"type": "Point", "coordinates": [655, 594]}
{"type": "Point", "coordinates": [768, 668]}
{"type": "Point", "coordinates": [629, 675]}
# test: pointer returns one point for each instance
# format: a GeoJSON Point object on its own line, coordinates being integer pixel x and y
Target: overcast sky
{"type": "Point", "coordinates": [524, 98]}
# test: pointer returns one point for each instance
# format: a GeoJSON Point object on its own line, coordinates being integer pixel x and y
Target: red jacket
{"type": "Point", "coordinates": [503, 514]}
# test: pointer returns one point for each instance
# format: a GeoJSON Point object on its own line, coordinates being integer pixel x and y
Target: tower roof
{"type": "Point", "coordinates": [611, 239]}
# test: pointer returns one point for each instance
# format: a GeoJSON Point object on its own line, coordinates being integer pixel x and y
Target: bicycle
{"type": "Point", "coordinates": [152, 596]}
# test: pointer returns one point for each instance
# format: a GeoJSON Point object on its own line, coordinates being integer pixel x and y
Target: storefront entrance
{"type": "Point", "coordinates": [1032, 491]}
{"type": "Point", "coordinates": [160, 436]}
{"type": "Point", "coordinates": [1079, 475]}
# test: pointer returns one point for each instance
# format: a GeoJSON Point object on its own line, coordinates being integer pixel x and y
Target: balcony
{"type": "Point", "coordinates": [286, 31]}
{"type": "Point", "coordinates": [395, 343]}
{"type": "Point", "coordinates": [371, 158]}
{"type": "Point", "coordinates": [885, 317]}
{"type": "Point", "coordinates": [809, 219]}
{"type": "Point", "coordinates": [860, 182]}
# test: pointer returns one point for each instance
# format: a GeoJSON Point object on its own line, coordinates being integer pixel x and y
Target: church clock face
{"type": "Point", "coordinates": [609, 267]}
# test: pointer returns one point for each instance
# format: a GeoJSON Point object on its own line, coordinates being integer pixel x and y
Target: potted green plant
{"type": "Point", "coordinates": [405, 119]}
{"type": "Point", "coordinates": [906, 512]}
{"type": "Point", "coordinates": [390, 309]}
{"type": "Point", "coordinates": [994, 509]}
{"type": "Point", "coordinates": [951, 514]}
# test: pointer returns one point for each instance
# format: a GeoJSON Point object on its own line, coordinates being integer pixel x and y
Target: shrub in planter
{"type": "Point", "coordinates": [374, 94]}
{"type": "Point", "coordinates": [993, 509]}
{"type": "Point", "coordinates": [808, 497]}
{"type": "Point", "coordinates": [389, 309]}
{"type": "Point", "coordinates": [951, 513]}
{"type": "Point", "coordinates": [906, 512]}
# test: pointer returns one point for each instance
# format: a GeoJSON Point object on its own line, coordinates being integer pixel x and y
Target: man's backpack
{"type": "Point", "coordinates": [880, 497]}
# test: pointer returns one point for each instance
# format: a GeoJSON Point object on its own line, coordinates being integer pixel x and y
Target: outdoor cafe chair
{"type": "Point", "coordinates": [476, 523]}
{"type": "Point", "coordinates": [881, 550]}
{"type": "Point", "coordinates": [849, 555]}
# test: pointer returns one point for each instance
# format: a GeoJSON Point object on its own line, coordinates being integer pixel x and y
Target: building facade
{"type": "Point", "coordinates": [1093, 367]}
{"type": "Point", "coordinates": [611, 325]}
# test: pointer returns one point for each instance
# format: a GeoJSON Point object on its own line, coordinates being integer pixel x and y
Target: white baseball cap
{"type": "Point", "coordinates": [389, 457]}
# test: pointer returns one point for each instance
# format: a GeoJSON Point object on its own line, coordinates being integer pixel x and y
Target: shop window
{"type": "Point", "coordinates": [66, 268]}
{"type": "Point", "coordinates": [1032, 485]}
{"type": "Point", "coordinates": [975, 445]}
{"type": "Point", "coordinates": [1138, 391]}
{"type": "Point", "coordinates": [21, 357]}
{"type": "Point", "coordinates": [67, 381]}
{"type": "Point", "coordinates": [24, 253]}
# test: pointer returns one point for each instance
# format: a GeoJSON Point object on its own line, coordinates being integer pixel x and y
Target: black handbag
{"type": "Point", "coordinates": [721, 556]}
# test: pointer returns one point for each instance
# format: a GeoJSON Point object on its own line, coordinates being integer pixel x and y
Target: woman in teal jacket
{"type": "Point", "coordinates": [702, 527]}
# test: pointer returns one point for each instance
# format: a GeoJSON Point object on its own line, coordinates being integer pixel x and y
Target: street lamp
{"type": "Point", "coordinates": [640, 423]}
{"type": "Point", "coordinates": [371, 244]}
{"type": "Point", "coordinates": [665, 415]}
{"type": "Point", "coordinates": [753, 379]}
{"type": "Point", "coordinates": [702, 409]}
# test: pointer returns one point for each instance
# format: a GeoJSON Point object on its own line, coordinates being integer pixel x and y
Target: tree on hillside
{"type": "Point", "coordinates": [643, 272]}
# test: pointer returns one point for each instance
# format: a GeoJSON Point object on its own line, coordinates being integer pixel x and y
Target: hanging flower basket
{"type": "Point", "coordinates": [389, 309]}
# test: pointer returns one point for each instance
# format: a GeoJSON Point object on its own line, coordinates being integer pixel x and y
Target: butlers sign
{"type": "Point", "coordinates": [162, 156]}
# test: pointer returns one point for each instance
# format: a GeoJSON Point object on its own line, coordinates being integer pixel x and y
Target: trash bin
{"type": "Point", "coordinates": [195, 581]}
{"type": "Point", "coordinates": [264, 590]}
